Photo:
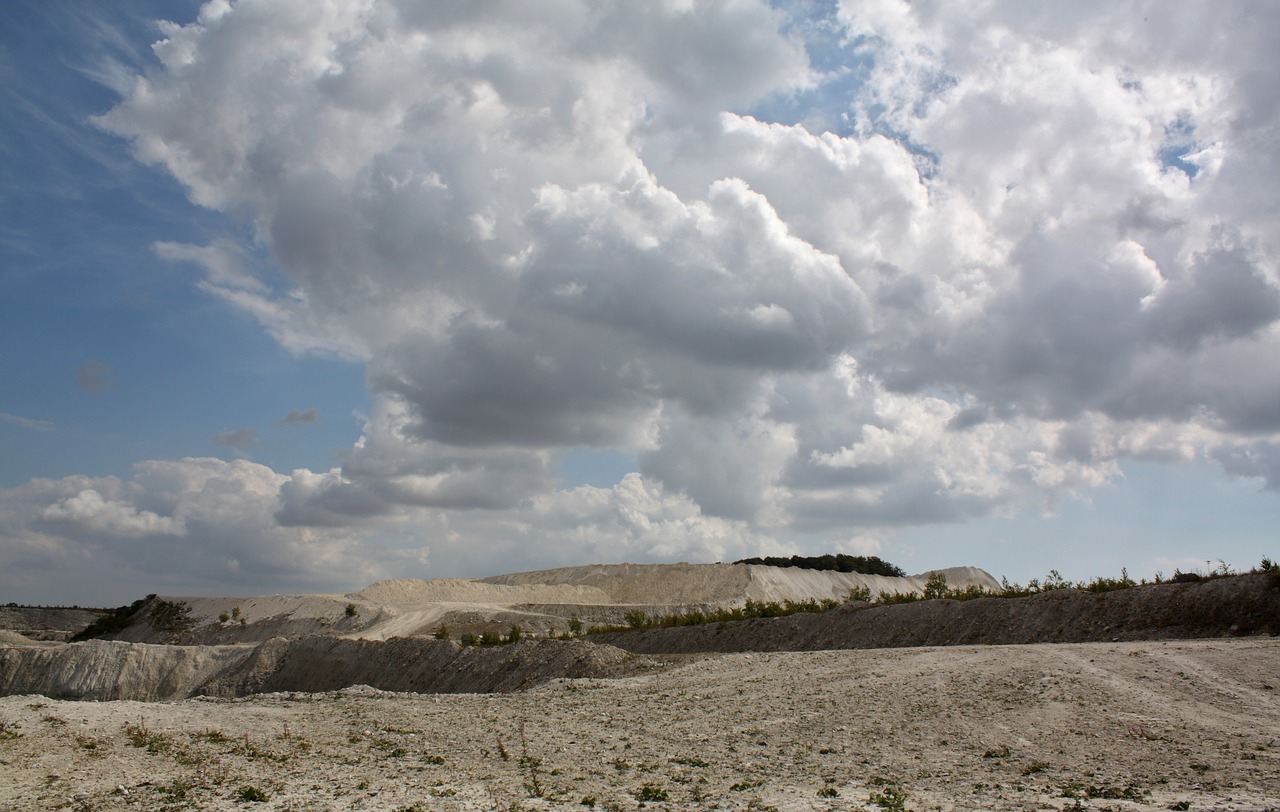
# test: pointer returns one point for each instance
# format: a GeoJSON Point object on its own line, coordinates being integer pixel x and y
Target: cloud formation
{"type": "Point", "coordinates": [1038, 244]}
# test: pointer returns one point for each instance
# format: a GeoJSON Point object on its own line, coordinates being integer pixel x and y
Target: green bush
{"type": "Point", "coordinates": [866, 565]}
{"type": "Point", "coordinates": [117, 620]}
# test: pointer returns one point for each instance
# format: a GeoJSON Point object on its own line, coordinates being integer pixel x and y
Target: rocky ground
{"type": "Point", "coordinates": [1131, 725]}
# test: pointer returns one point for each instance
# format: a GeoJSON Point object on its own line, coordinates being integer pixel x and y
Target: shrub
{"type": "Point", "coordinates": [515, 634]}
{"type": "Point", "coordinates": [442, 633]}
{"type": "Point", "coordinates": [859, 593]}
{"type": "Point", "coordinates": [171, 616]}
{"type": "Point", "coordinates": [351, 610]}
{"type": "Point", "coordinates": [116, 620]}
{"type": "Point", "coordinates": [866, 565]}
{"type": "Point", "coordinates": [935, 586]}
{"type": "Point", "coordinates": [575, 626]}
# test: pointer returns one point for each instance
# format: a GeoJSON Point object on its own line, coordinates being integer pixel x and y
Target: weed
{"type": "Point", "coordinates": [533, 766]}
{"type": "Point", "coordinates": [997, 752]}
{"type": "Point", "coordinates": [892, 798]}
{"type": "Point", "coordinates": [689, 761]}
{"type": "Point", "coordinates": [1035, 767]}
{"type": "Point", "coordinates": [828, 792]}
{"type": "Point", "coordinates": [7, 734]}
{"type": "Point", "coordinates": [249, 793]}
{"type": "Point", "coordinates": [1129, 793]}
{"type": "Point", "coordinates": [437, 760]}
{"type": "Point", "coordinates": [745, 785]}
{"type": "Point", "coordinates": [140, 736]}
{"type": "Point", "coordinates": [442, 633]}
{"type": "Point", "coordinates": [351, 610]}
{"type": "Point", "coordinates": [1180, 805]}
{"type": "Point", "coordinates": [651, 792]}
{"type": "Point", "coordinates": [589, 801]}
{"type": "Point", "coordinates": [54, 721]}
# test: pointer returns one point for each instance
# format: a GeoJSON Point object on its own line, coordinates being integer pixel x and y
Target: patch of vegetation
{"type": "Point", "coordinates": [351, 610]}
{"type": "Point", "coordinates": [171, 616]}
{"type": "Point", "coordinates": [1034, 767]}
{"type": "Point", "coordinates": [828, 792]}
{"type": "Point", "coordinates": [690, 761]}
{"type": "Point", "coordinates": [250, 794]}
{"type": "Point", "coordinates": [140, 736]}
{"type": "Point", "coordinates": [892, 798]}
{"type": "Point", "coordinates": [743, 786]}
{"type": "Point", "coordinates": [864, 564]}
{"type": "Point", "coordinates": [997, 752]}
{"type": "Point", "coordinates": [637, 620]}
{"type": "Point", "coordinates": [8, 734]}
{"type": "Point", "coordinates": [116, 620]}
{"type": "Point", "coordinates": [651, 792]}
{"type": "Point", "coordinates": [1129, 793]}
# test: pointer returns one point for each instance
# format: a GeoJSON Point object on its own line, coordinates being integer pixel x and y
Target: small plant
{"type": "Point", "coordinates": [743, 786]}
{"type": "Point", "coordinates": [251, 794]}
{"type": "Point", "coordinates": [532, 765]}
{"type": "Point", "coordinates": [828, 792]}
{"type": "Point", "coordinates": [651, 792]}
{"type": "Point", "coordinates": [351, 610]}
{"type": "Point", "coordinates": [859, 593]}
{"type": "Point", "coordinates": [589, 801]}
{"type": "Point", "coordinates": [1035, 767]}
{"type": "Point", "coordinates": [442, 633]}
{"type": "Point", "coordinates": [224, 617]}
{"type": "Point", "coordinates": [490, 639]}
{"type": "Point", "coordinates": [892, 798]}
{"type": "Point", "coordinates": [635, 618]}
{"type": "Point", "coordinates": [575, 626]}
{"type": "Point", "coordinates": [997, 752]}
{"type": "Point", "coordinates": [140, 736]}
{"type": "Point", "coordinates": [8, 735]}
{"type": "Point", "coordinates": [515, 634]}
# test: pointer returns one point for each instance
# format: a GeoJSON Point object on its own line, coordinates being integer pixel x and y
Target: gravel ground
{"type": "Point", "coordinates": [1181, 725]}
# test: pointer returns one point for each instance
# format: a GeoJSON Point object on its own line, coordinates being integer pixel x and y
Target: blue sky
{"type": "Point", "coordinates": [312, 295]}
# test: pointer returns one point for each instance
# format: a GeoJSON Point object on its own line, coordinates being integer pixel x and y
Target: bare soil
{"type": "Point", "coordinates": [1121, 726]}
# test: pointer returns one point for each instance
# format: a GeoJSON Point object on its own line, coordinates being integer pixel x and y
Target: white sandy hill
{"type": "Point", "coordinates": [541, 601]}
{"type": "Point", "coordinates": [729, 584]}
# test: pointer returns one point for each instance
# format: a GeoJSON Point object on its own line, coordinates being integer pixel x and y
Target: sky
{"type": "Point", "coordinates": [298, 295]}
